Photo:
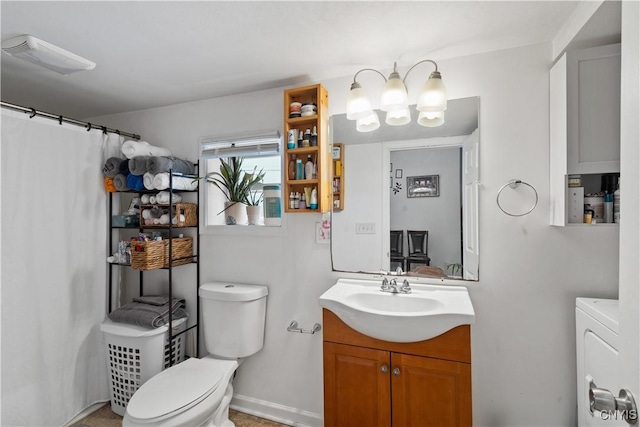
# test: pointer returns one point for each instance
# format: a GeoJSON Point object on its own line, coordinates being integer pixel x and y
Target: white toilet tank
{"type": "Point", "coordinates": [233, 318]}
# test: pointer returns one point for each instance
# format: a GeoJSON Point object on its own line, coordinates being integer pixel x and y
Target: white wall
{"type": "Point", "coordinates": [523, 342]}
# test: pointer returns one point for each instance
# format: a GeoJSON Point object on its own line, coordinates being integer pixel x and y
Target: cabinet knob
{"type": "Point", "coordinates": [396, 372]}
{"type": "Point", "coordinates": [384, 369]}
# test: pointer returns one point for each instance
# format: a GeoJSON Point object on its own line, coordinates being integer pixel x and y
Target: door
{"type": "Point", "coordinates": [356, 386]}
{"type": "Point", "coordinates": [470, 179]}
{"type": "Point", "coordinates": [629, 278]}
{"type": "Point", "coordinates": [430, 392]}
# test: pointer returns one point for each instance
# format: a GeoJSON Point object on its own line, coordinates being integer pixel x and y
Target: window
{"type": "Point", "coordinates": [258, 153]}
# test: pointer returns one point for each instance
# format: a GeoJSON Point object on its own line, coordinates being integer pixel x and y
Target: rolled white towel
{"type": "Point", "coordinates": [132, 148]}
{"type": "Point", "coordinates": [164, 219]}
{"type": "Point", "coordinates": [153, 200]}
{"type": "Point", "coordinates": [146, 213]}
{"type": "Point", "coordinates": [156, 221]}
{"type": "Point", "coordinates": [145, 197]}
{"type": "Point", "coordinates": [147, 180]}
{"type": "Point", "coordinates": [174, 221]}
{"type": "Point", "coordinates": [161, 181]}
{"type": "Point", "coordinates": [165, 197]}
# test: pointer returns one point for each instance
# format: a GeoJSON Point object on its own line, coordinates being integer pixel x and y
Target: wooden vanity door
{"type": "Point", "coordinates": [356, 386]}
{"type": "Point", "coordinates": [430, 392]}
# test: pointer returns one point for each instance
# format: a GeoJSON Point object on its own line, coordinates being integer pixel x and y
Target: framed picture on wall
{"type": "Point", "coordinates": [423, 186]}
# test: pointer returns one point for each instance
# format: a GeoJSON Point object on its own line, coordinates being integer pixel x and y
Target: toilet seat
{"type": "Point", "coordinates": [179, 388]}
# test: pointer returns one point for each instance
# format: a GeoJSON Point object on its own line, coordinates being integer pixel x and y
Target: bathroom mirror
{"type": "Point", "coordinates": [409, 178]}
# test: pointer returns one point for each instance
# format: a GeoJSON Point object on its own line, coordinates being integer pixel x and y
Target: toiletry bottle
{"type": "Point", "coordinates": [314, 198]}
{"type": "Point", "coordinates": [608, 208]}
{"type": "Point", "coordinates": [314, 137]}
{"type": "Point", "coordinates": [292, 167]}
{"type": "Point", "coordinates": [299, 169]}
{"type": "Point", "coordinates": [616, 204]}
{"type": "Point", "coordinates": [292, 204]}
{"type": "Point", "coordinates": [296, 200]}
{"type": "Point", "coordinates": [300, 139]}
{"type": "Point", "coordinates": [308, 168]}
{"type": "Point", "coordinates": [306, 139]}
{"type": "Point", "coordinates": [291, 139]}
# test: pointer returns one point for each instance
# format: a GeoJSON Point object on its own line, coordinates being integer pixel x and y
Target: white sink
{"type": "Point", "coordinates": [425, 313]}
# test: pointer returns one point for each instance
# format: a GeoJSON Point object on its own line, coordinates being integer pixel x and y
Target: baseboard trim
{"type": "Point", "coordinates": [275, 412]}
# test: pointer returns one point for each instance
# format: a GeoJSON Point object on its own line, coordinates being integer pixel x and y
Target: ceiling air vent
{"type": "Point", "coordinates": [45, 54]}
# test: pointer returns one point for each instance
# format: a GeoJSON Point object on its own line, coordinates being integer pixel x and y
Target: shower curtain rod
{"type": "Point", "coordinates": [62, 119]}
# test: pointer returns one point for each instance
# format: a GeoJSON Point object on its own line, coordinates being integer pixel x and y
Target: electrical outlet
{"type": "Point", "coordinates": [365, 228]}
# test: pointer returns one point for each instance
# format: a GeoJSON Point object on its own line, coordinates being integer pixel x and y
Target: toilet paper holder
{"type": "Point", "coordinates": [293, 327]}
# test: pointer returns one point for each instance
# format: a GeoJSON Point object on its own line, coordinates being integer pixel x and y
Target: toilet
{"type": "Point", "coordinates": [197, 392]}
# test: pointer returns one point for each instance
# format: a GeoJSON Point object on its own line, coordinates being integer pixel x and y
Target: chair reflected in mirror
{"type": "Point", "coordinates": [396, 251]}
{"type": "Point", "coordinates": [418, 245]}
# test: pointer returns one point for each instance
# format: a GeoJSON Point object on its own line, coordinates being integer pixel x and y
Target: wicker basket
{"type": "Point", "coordinates": [152, 255]}
{"type": "Point", "coordinates": [188, 210]}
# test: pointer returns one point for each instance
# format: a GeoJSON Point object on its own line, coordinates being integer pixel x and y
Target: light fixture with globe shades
{"type": "Point", "coordinates": [431, 104]}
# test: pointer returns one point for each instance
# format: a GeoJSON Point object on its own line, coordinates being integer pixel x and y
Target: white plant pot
{"type": "Point", "coordinates": [235, 213]}
{"type": "Point", "coordinates": [253, 213]}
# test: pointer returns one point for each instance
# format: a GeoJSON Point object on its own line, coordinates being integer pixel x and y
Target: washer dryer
{"type": "Point", "coordinates": [597, 355]}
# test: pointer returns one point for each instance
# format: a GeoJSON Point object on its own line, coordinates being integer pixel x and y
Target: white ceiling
{"type": "Point", "coordinates": [156, 53]}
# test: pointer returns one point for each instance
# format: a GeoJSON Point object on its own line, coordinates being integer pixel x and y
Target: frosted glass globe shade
{"type": "Point", "coordinates": [433, 96]}
{"type": "Point", "coordinates": [394, 94]}
{"type": "Point", "coordinates": [368, 123]}
{"type": "Point", "coordinates": [398, 118]}
{"type": "Point", "coordinates": [431, 120]}
{"type": "Point", "coordinates": [358, 103]}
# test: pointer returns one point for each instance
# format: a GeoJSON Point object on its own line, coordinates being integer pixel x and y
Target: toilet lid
{"type": "Point", "coordinates": [178, 388]}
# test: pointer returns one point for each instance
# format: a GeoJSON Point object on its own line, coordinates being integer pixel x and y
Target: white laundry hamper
{"type": "Point", "coordinates": [135, 354]}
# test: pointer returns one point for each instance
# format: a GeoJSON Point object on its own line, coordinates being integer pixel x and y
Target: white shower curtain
{"type": "Point", "coordinates": [54, 225]}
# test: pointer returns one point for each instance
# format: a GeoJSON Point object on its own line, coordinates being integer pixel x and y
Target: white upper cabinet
{"type": "Point", "coordinates": [584, 119]}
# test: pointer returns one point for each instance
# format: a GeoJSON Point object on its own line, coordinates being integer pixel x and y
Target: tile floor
{"type": "Point", "coordinates": [105, 417]}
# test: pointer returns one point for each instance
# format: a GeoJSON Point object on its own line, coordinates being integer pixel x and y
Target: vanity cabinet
{"type": "Point", "coordinates": [316, 148]}
{"type": "Point", "coordinates": [381, 383]}
{"type": "Point", "coordinates": [584, 120]}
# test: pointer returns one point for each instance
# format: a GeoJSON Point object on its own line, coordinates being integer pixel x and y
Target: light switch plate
{"type": "Point", "coordinates": [365, 228]}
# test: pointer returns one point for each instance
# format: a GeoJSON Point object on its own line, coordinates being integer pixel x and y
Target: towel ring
{"type": "Point", "coordinates": [514, 184]}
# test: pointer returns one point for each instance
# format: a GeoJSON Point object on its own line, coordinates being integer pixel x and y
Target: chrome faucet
{"type": "Point", "coordinates": [385, 285]}
{"type": "Point", "coordinates": [405, 288]}
{"type": "Point", "coordinates": [391, 286]}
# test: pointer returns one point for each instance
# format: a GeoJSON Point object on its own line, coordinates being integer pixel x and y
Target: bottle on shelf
{"type": "Point", "coordinates": [308, 168]}
{"type": "Point", "coordinates": [306, 139]}
{"type": "Point", "coordinates": [314, 198]}
{"type": "Point", "coordinates": [314, 137]}
{"type": "Point", "coordinates": [300, 141]}
{"type": "Point", "coordinates": [299, 169]}
{"type": "Point", "coordinates": [292, 167]}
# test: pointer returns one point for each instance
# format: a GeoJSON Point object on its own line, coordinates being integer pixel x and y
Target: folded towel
{"type": "Point", "coordinates": [147, 179]}
{"type": "Point", "coordinates": [174, 220]}
{"type": "Point", "coordinates": [120, 182]}
{"type": "Point", "coordinates": [138, 165]}
{"type": "Point", "coordinates": [145, 197]}
{"type": "Point", "coordinates": [146, 213]}
{"type": "Point", "coordinates": [114, 166]}
{"type": "Point", "coordinates": [152, 299]}
{"type": "Point", "coordinates": [164, 219]}
{"type": "Point", "coordinates": [148, 315]}
{"type": "Point", "coordinates": [132, 149]}
{"type": "Point", "coordinates": [161, 182]}
{"type": "Point", "coordinates": [108, 185]}
{"type": "Point", "coordinates": [158, 164]}
{"type": "Point", "coordinates": [135, 182]}
{"type": "Point", "coordinates": [164, 197]}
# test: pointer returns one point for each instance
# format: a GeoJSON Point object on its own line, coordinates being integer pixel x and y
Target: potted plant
{"type": "Point", "coordinates": [253, 205]}
{"type": "Point", "coordinates": [236, 185]}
